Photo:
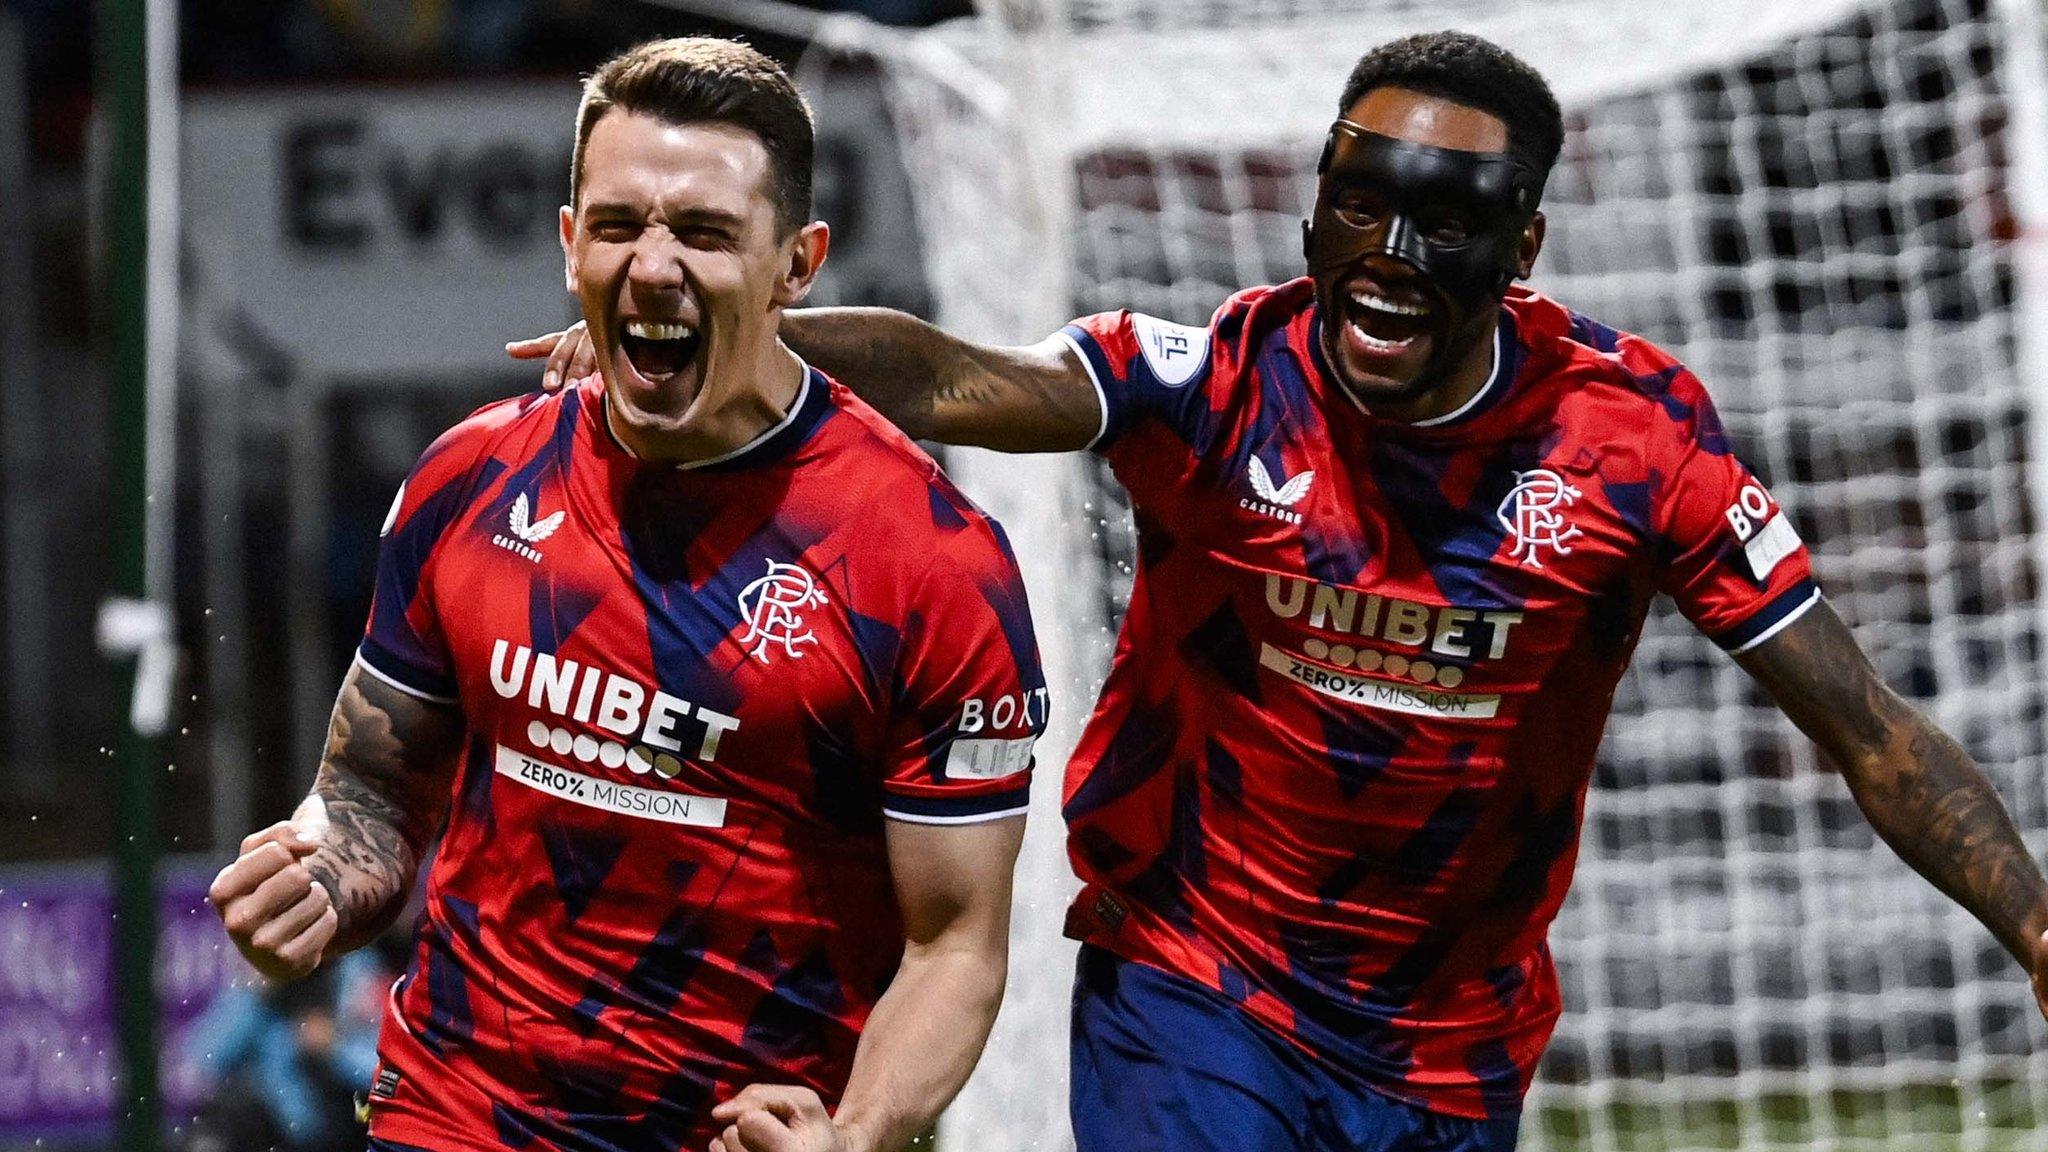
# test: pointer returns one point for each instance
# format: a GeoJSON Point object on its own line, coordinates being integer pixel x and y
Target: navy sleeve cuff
{"type": "Point", "coordinates": [1773, 618]}
{"type": "Point", "coordinates": [974, 809]}
{"type": "Point", "coordinates": [387, 666]}
{"type": "Point", "coordinates": [1099, 374]}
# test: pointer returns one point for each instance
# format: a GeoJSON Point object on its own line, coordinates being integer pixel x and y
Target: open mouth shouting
{"type": "Point", "coordinates": [658, 352]}
{"type": "Point", "coordinates": [1387, 333]}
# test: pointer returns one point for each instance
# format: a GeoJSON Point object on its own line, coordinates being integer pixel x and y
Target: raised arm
{"type": "Point", "coordinates": [1034, 398]}
{"type": "Point", "coordinates": [1915, 784]}
{"type": "Point", "coordinates": [927, 1031]}
{"type": "Point", "coordinates": [335, 875]}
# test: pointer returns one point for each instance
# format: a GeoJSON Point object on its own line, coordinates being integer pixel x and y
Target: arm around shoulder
{"type": "Point", "coordinates": [1029, 398]}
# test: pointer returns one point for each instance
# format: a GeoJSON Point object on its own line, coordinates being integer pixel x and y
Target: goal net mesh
{"type": "Point", "coordinates": [1822, 208]}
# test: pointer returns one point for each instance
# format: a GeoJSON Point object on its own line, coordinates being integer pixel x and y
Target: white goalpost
{"type": "Point", "coordinates": [1833, 211]}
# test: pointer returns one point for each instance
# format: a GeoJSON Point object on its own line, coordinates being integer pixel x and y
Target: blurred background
{"type": "Point", "coordinates": [254, 256]}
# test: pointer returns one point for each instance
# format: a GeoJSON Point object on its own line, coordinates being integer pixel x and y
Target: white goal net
{"type": "Point", "coordinates": [1833, 211]}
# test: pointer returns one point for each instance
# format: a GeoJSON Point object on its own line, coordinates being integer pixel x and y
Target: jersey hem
{"type": "Point", "coordinates": [1421, 1101]}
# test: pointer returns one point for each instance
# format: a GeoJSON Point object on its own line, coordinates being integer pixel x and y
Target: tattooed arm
{"type": "Point", "coordinates": [1036, 398]}
{"type": "Point", "coordinates": [333, 876]}
{"type": "Point", "coordinates": [1916, 785]}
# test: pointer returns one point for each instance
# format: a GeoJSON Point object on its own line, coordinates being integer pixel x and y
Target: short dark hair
{"type": "Point", "coordinates": [699, 80]}
{"type": "Point", "coordinates": [1465, 69]}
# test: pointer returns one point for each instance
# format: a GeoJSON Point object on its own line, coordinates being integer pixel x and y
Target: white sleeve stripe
{"type": "Point", "coordinates": [1101, 396]}
{"type": "Point", "coordinates": [971, 818]}
{"type": "Point", "coordinates": [1783, 623]}
{"type": "Point", "coordinates": [408, 689]}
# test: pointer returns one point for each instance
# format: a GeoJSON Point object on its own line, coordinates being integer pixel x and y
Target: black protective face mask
{"type": "Point", "coordinates": [1455, 217]}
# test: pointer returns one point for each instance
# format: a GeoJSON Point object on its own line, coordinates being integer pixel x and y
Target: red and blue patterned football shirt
{"type": "Point", "coordinates": [693, 696]}
{"type": "Point", "coordinates": [1338, 768]}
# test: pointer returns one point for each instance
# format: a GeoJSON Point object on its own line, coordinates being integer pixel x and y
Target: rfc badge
{"type": "Point", "coordinates": [1533, 513]}
{"type": "Point", "coordinates": [773, 607]}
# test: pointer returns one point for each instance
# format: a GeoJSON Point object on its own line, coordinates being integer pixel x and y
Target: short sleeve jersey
{"type": "Point", "coordinates": [693, 697]}
{"type": "Point", "coordinates": [1338, 769]}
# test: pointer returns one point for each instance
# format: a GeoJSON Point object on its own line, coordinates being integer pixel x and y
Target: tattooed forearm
{"type": "Point", "coordinates": [1936, 809]}
{"type": "Point", "coordinates": [886, 357]}
{"type": "Point", "coordinates": [383, 788]}
{"type": "Point", "coordinates": [962, 390]}
{"type": "Point", "coordinates": [938, 387]}
{"type": "Point", "coordinates": [1915, 783]}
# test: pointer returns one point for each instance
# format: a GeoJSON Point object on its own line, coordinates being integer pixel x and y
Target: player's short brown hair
{"type": "Point", "coordinates": [700, 80]}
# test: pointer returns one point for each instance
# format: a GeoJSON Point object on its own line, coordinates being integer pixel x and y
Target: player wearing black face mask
{"type": "Point", "coordinates": [1411, 247]}
{"type": "Point", "coordinates": [1399, 524]}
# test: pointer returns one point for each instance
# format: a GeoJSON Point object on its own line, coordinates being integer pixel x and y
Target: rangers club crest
{"type": "Point", "coordinates": [1533, 513]}
{"type": "Point", "coordinates": [773, 608]}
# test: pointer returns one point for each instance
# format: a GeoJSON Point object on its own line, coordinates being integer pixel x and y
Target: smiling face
{"type": "Point", "coordinates": [674, 252]}
{"type": "Point", "coordinates": [1406, 341]}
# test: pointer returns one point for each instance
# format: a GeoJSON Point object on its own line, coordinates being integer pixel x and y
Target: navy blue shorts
{"type": "Point", "coordinates": [1162, 1064]}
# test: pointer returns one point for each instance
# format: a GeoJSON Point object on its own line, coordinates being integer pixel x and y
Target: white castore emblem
{"type": "Point", "coordinates": [527, 532]}
{"type": "Point", "coordinates": [1533, 512]}
{"type": "Point", "coordinates": [1286, 495]}
{"type": "Point", "coordinates": [773, 608]}
{"type": "Point", "coordinates": [1276, 500]}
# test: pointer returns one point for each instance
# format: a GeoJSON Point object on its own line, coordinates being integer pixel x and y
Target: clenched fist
{"type": "Point", "coordinates": [276, 913]}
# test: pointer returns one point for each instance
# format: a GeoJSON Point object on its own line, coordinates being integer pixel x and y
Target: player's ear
{"type": "Point", "coordinates": [806, 254]}
{"type": "Point", "coordinates": [1531, 244]}
{"type": "Point", "coordinates": [568, 230]}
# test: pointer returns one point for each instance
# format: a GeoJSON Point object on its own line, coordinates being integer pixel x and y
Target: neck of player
{"type": "Point", "coordinates": [733, 408]}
